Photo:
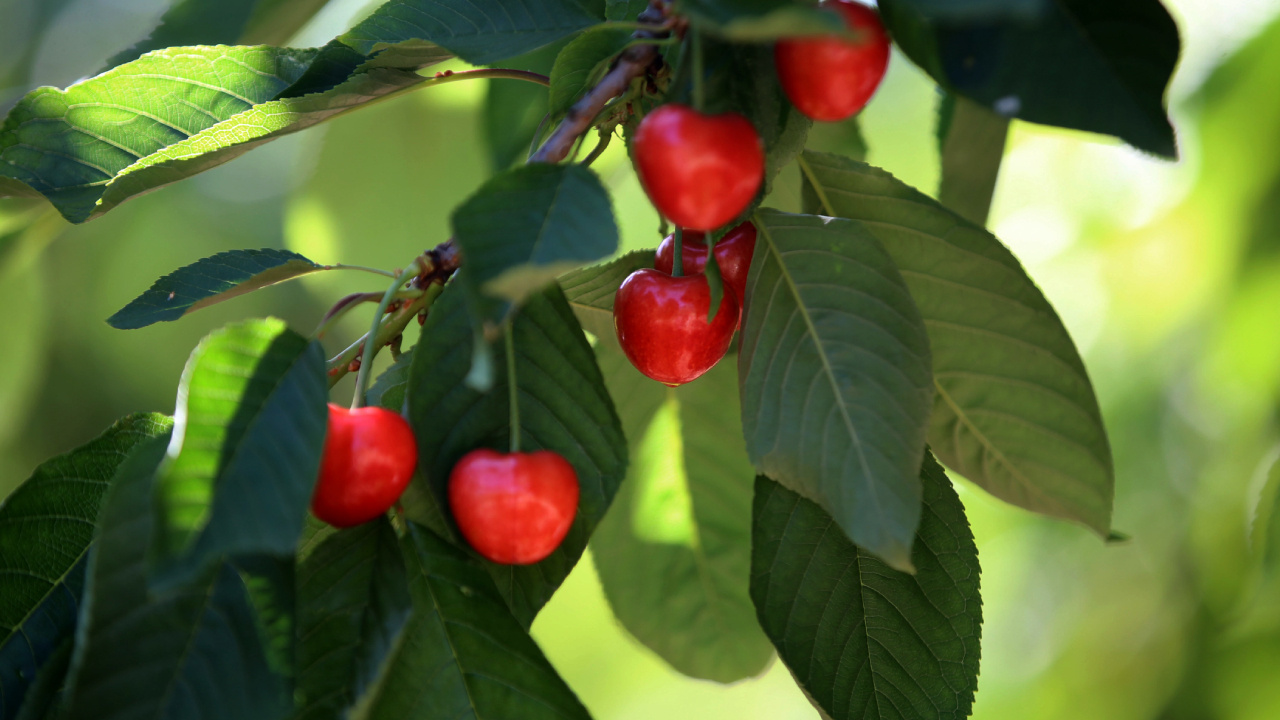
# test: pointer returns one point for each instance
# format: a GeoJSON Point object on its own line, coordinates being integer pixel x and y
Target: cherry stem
{"type": "Point", "coordinates": [699, 95]}
{"type": "Point", "coordinates": [599, 149]}
{"type": "Point", "coordinates": [366, 361]}
{"type": "Point", "coordinates": [513, 390]}
{"type": "Point", "coordinates": [343, 306]}
{"type": "Point", "coordinates": [362, 268]}
{"type": "Point", "coordinates": [677, 261]}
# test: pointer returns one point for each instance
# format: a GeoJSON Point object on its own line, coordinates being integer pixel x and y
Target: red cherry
{"type": "Point", "coordinates": [829, 78]}
{"type": "Point", "coordinates": [701, 171]}
{"type": "Point", "coordinates": [733, 255]}
{"type": "Point", "coordinates": [662, 325]}
{"type": "Point", "coordinates": [369, 458]}
{"type": "Point", "coordinates": [513, 508]}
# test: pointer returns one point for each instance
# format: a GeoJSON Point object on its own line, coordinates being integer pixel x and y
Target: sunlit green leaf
{"type": "Point", "coordinates": [590, 291]}
{"type": "Point", "coordinates": [835, 376]}
{"type": "Point", "coordinates": [866, 641]}
{"type": "Point", "coordinates": [1014, 410]}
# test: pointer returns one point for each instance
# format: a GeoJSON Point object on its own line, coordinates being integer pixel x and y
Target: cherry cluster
{"type": "Point", "coordinates": [701, 172]}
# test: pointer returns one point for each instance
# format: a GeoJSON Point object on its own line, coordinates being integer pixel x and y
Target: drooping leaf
{"type": "Point", "coordinates": [1014, 410]}
{"type": "Point", "coordinates": [971, 139]}
{"type": "Point", "coordinates": [462, 654]}
{"type": "Point", "coordinates": [353, 602]}
{"type": "Point", "coordinates": [528, 225]}
{"type": "Point", "coordinates": [590, 291]}
{"type": "Point", "coordinates": [760, 20]}
{"type": "Point", "coordinates": [210, 281]}
{"type": "Point", "coordinates": [674, 552]}
{"type": "Point", "coordinates": [582, 62]}
{"type": "Point", "coordinates": [564, 407]}
{"type": "Point", "coordinates": [247, 440]}
{"type": "Point", "coordinates": [1096, 65]}
{"type": "Point", "coordinates": [191, 652]}
{"type": "Point", "coordinates": [866, 641]}
{"type": "Point", "coordinates": [514, 110]}
{"type": "Point", "coordinates": [46, 527]}
{"type": "Point", "coordinates": [478, 31]}
{"type": "Point", "coordinates": [835, 375]}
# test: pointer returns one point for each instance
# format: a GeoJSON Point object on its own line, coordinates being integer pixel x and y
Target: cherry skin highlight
{"type": "Point", "coordinates": [733, 255]}
{"type": "Point", "coordinates": [513, 508]}
{"type": "Point", "coordinates": [662, 325]}
{"type": "Point", "coordinates": [830, 78]}
{"type": "Point", "coordinates": [700, 171]}
{"type": "Point", "coordinates": [369, 457]}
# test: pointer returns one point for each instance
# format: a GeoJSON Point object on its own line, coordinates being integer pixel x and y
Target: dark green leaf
{"type": "Point", "coordinates": [478, 31]}
{"type": "Point", "coordinates": [462, 654]}
{"type": "Point", "coordinates": [564, 407]}
{"type": "Point", "coordinates": [249, 429]}
{"type": "Point", "coordinates": [834, 367]}
{"type": "Point", "coordinates": [759, 20]}
{"type": "Point", "coordinates": [673, 554]}
{"type": "Point", "coordinates": [582, 63]}
{"type": "Point", "coordinates": [528, 225]}
{"type": "Point", "coordinates": [1096, 65]}
{"type": "Point", "coordinates": [353, 602]}
{"type": "Point", "coordinates": [269, 581]}
{"type": "Point", "coordinates": [210, 281]}
{"type": "Point", "coordinates": [46, 689]}
{"type": "Point", "coordinates": [624, 10]}
{"type": "Point", "coordinates": [514, 110]}
{"type": "Point", "coordinates": [972, 145]}
{"type": "Point", "coordinates": [1014, 409]}
{"type": "Point", "coordinates": [866, 641]}
{"type": "Point", "coordinates": [980, 10]}
{"type": "Point", "coordinates": [46, 527]}
{"type": "Point", "coordinates": [388, 391]}
{"type": "Point", "coordinates": [590, 292]}
{"type": "Point", "coordinates": [193, 652]}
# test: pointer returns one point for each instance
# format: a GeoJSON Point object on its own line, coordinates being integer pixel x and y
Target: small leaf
{"type": "Point", "coordinates": [462, 654]}
{"type": "Point", "coordinates": [514, 110]}
{"type": "Point", "coordinates": [564, 407]}
{"type": "Point", "coordinates": [388, 391]}
{"type": "Point", "coordinates": [478, 31]}
{"type": "Point", "coordinates": [1014, 410]}
{"type": "Point", "coordinates": [590, 292]}
{"type": "Point", "coordinates": [353, 603]}
{"type": "Point", "coordinates": [247, 440]}
{"type": "Point", "coordinates": [191, 652]}
{"type": "Point", "coordinates": [210, 281]}
{"type": "Point", "coordinates": [583, 61]}
{"type": "Point", "coordinates": [971, 140]}
{"type": "Point", "coordinates": [835, 375]}
{"type": "Point", "coordinates": [674, 553]}
{"type": "Point", "coordinates": [760, 20]}
{"type": "Point", "coordinates": [863, 640]}
{"type": "Point", "coordinates": [44, 551]}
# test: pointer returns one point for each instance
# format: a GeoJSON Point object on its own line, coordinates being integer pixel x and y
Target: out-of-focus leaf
{"type": "Point", "coordinates": [247, 440]}
{"type": "Point", "coordinates": [210, 281]}
{"type": "Point", "coordinates": [564, 407]}
{"type": "Point", "coordinates": [514, 109]}
{"type": "Point", "coordinates": [590, 292]}
{"type": "Point", "coordinates": [583, 62]}
{"type": "Point", "coordinates": [388, 391]}
{"type": "Point", "coordinates": [866, 641]}
{"type": "Point", "coordinates": [462, 654]}
{"type": "Point", "coordinates": [1014, 410]}
{"type": "Point", "coordinates": [760, 20]}
{"type": "Point", "coordinates": [46, 688]}
{"type": "Point", "coordinates": [624, 10]}
{"type": "Point", "coordinates": [46, 527]}
{"type": "Point", "coordinates": [971, 140]}
{"type": "Point", "coordinates": [674, 553]}
{"type": "Point", "coordinates": [834, 368]}
{"type": "Point", "coordinates": [1096, 65]}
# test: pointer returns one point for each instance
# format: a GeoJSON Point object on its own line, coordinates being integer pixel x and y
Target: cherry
{"type": "Point", "coordinates": [514, 508]}
{"type": "Point", "coordinates": [733, 255]}
{"type": "Point", "coordinates": [701, 171]}
{"type": "Point", "coordinates": [662, 324]}
{"type": "Point", "coordinates": [369, 458]}
{"type": "Point", "coordinates": [829, 78]}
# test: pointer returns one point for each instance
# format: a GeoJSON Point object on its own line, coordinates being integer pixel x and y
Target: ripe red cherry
{"type": "Point", "coordinates": [662, 324]}
{"type": "Point", "coordinates": [829, 78]}
{"type": "Point", "coordinates": [513, 508]}
{"type": "Point", "coordinates": [733, 255]}
{"type": "Point", "coordinates": [700, 171]}
{"type": "Point", "coordinates": [369, 458]}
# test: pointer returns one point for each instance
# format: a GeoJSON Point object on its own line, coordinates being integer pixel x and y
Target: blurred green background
{"type": "Point", "coordinates": [1167, 275]}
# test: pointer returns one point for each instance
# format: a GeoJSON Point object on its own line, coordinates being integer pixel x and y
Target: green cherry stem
{"type": "Point", "coordinates": [370, 345]}
{"type": "Point", "coordinates": [677, 260]}
{"type": "Point", "coordinates": [343, 306]}
{"type": "Point", "coordinates": [513, 390]}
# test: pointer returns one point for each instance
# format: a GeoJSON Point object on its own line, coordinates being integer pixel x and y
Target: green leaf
{"type": "Point", "coordinates": [46, 527]}
{"type": "Point", "coordinates": [971, 140]}
{"type": "Point", "coordinates": [864, 640]}
{"type": "Point", "coordinates": [834, 368]}
{"type": "Point", "coordinates": [564, 407]}
{"type": "Point", "coordinates": [247, 440]}
{"type": "Point", "coordinates": [462, 654]}
{"type": "Point", "coordinates": [582, 63]}
{"type": "Point", "coordinates": [760, 20]}
{"type": "Point", "coordinates": [624, 10]}
{"type": "Point", "coordinates": [514, 110]}
{"type": "Point", "coordinates": [528, 225]}
{"type": "Point", "coordinates": [1014, 410]}
{"type": "Point", "coordinates": [210, 281]}
{"type": "Point", "coordinates": [980, 10]}
{"type": "Point", "coordinates": [46, 689]}
{"type": "Point", "coordinates": [353, 603]}
{"type": "Point", "coordinates": [478, 31]}
{"type": "Point", "coordinates": [674, 553]}
{"type": "Point", "coordinates": [388, 391]}
{"type": "Point", "coordinates": [590, 292]}
{"type": "Point", "coordinates": [1096, 65]}
{"type": "Point", "coordinates": [191, 652]}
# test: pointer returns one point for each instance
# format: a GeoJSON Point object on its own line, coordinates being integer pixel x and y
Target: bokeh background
{"type": "Point", "coordinates": [1167, 275]}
